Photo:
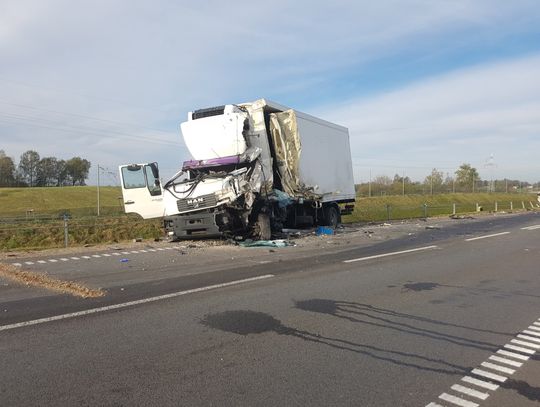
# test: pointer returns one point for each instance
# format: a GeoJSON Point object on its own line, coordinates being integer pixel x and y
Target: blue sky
{"type": "Point", "coordinates": [420, 84]}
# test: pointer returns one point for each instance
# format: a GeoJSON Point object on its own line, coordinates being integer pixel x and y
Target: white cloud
{"type": "Point", "coordinates": [145, 64]}
{"type": "Point", "coordinates": [446, 120]}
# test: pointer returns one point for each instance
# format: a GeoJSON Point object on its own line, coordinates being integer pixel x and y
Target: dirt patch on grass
{"type": "Point", "coordinates": [41, 280]}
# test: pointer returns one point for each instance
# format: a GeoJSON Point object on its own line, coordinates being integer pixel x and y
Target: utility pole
{"type": "Point", "coordinates": [369, 185]}
{"type": "Point", "coordinates": [99, 168]}
{"type": "Point", "coordinates": [403, 180]}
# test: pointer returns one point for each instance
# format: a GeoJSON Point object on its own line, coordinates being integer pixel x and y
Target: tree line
{"type": "Point", "coordinates": [34, 171]}
{"type": "Point", "coordinates": [464, 179]}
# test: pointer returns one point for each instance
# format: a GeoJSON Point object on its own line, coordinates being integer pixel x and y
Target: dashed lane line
{"type": "Point", "coordinates": [133, 303]}
{"type": "Point", "coordinates": [490, 375]}
{"type": "Point", "coordinates": [533, 227]}
{"type": "Point", "coordinates": [486, 236]}
{"type": "Point", "coordinates": [93, 256]}
{"type": "Point", "coordinates": [457, 401]}
{"type": "Point", "coordinates": [377, 256]}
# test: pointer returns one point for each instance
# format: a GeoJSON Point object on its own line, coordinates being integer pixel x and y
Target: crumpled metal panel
{"type": "Point", "coordinates": [287, 147]}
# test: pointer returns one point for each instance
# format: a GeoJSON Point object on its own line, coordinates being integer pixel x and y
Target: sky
{"type": "Point", "coordinates": [420, 84]}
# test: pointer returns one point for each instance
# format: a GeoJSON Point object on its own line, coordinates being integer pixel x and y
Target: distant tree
{"type": "Point", "coordinates": [46, 172]}
{"type": "Point", "coordinates": [7, 170]}
{"type": "Point", "coordinates": [399, 184]}
{"type": "Point", "coordinates": [434, 181]}
{"type": "Point", "coordinates": [28, 166]}
{"type": "Point", "coordinates": [449, 183]}
{"type": "Point", "coordinates": [466, 176]}
{"type": "Point", "coordinates": [77, 170]}
{"type": "Point", "coordinates": [61, 173]}
{"type": "Point", "coordinates": [381, 185]}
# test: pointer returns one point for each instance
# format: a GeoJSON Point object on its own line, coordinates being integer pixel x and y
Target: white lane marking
{"type": "Point", "coordinates": [480, 383]}
{"type": "Point", "coordinates": [523, 343]}
{"type": "Point", "coordinates": [470, 392]}
{"type": "Point", "coordinates": [134, 251]}
{"type": "Point", "coordinates": [125, 252]}
{"type": "Point", "coordinates": [529, 338]}
{"type": "Point", "coordinates": [432, 404]}
{"type": "Point", "coordinates": [501, 369]}
{"type": "Point", "coordinates": [457, 401]}
{"type": "Point", "coordinates": [168, 248]}
{"type": "Point", "coordinates": [486, 236]}
{"type": "Point", "coordinates": [534, 328]}
{"type": "Point", "coordinates": [152, 250]}
{"type": "Point", "coordinates": [116, 254]}
{"type": "Point", "coordinates": [29, 262]}
{"type": "Point", "coordinates": [85, 257]}
{"type": "Point", "coordinates": [505, 361]}
{"type": "Point", "coordinates": [106, 255]}
{"type": "Point", "coordinates": [520, 349]}
{"type": "Point", "coordinates": [75, 258]}
{"type": "Point", "coordinates": [143, 251]}
{"type": "Point", "coordinates": [133, 303]}
{"type": "Point", "coordinates": [17, 264]}
{"type": "Point", "coordinates": [64, 259]}
{"type": "Point", "coordinates": [390, 254]}
{"type": "Point", "coordinates": [489, 375]}
{"type": "Point", "coordinates": [97, 256]}
{"type": "Point", "coordinates": [512, 354]}
{"type": "Point", "coordinates": [536, 323]}
{"type": "Point", "coordinates": [531, 333]}
{"type": "Point", "coordinates": [531, 227]}
{"type": "Point", "coordinates": [53, 260]}
{"type": "Point", "coordinates": [42, 262]}
{"type": "Point", "coordinates": [160, 249]}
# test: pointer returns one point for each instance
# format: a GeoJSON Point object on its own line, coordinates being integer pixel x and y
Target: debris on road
{"type": "Point", "coordinates": [266, 243]}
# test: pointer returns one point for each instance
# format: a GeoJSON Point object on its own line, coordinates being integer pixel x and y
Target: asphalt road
{"type": "Point", "coordinates": [447, 315]}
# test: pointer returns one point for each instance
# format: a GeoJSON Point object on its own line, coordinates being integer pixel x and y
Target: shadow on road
{"type": "Point", "coordinates": [369, 315]}
{"type": "Point", "coordinates": [244, 322]}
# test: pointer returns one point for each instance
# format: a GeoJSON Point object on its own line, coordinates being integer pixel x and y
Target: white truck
{"type": "Point", "coordinates": [257, 168]}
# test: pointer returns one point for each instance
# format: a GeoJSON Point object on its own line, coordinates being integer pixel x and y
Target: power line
{"type": "Point", "coordinates": [85, 117]}
{"type": "Point", "coordinates": [35, 122]}
{"type": "Point", "coordinates": [86, 96]}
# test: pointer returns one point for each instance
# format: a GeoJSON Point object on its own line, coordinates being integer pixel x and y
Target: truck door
{"type": "Point", "coordinates": [141, 190]}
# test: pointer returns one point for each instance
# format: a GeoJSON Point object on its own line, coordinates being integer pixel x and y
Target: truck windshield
{"type": "Point", "coordinates": [133, 177]}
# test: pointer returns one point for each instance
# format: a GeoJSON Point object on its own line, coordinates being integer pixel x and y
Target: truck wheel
{"type": "Point", "coordinates": [261, 228]}
{"type": "Point", "coordinates": [331, 216]}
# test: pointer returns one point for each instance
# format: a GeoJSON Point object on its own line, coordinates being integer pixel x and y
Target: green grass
{"type": "Point", "coordinates": [31, 218]}
{"type": "Point", "coordinates": [412, 206]}
{"type": "Point", "coordinates": [78, 201]}
{"type": "Point", "coordinates": [43, 227]}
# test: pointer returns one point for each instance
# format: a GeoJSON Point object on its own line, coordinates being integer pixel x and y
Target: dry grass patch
{"type": "Point", "coordinates": [41, 280]}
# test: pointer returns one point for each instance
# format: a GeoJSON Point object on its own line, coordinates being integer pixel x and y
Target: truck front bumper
{"type": "Point", "coordinates": [197, 225]}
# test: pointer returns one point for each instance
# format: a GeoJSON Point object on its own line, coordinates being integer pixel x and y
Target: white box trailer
{"type": "Point", "coordinates": [256, 168]}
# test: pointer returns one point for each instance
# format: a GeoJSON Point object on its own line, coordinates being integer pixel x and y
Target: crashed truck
{"type": "Point", "coordinates": [256, 169]}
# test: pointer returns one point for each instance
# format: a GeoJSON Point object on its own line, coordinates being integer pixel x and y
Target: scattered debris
{"type": "Point", "coordinates": [124, 260]}
{"type": "Point", "coordinates": [266, 243]}
{"type": "Point", "coordinates": [433, 227]}
{"type": "Point", "coordinates": [323, 230]}
{"type": "Point", "coordinates": [461, 217]}
{"type": "Point", "coordinates": [137, 240]}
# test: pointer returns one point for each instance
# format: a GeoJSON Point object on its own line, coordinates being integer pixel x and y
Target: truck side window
{"type": "Point", "coordinates": [152, 176]}
{"type": "Point", "coordinates": [133, 177]}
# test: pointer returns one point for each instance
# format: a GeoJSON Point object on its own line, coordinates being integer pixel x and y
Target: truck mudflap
{"type": "Point", "coordinates": [200, 224]}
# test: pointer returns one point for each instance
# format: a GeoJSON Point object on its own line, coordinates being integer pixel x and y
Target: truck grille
{"type": "Point", "coordinates": [201, 202]}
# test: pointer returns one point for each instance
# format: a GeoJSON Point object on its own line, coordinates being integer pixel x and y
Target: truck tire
{"type": "Point", "coordinates": [261, 228]}
{"type": "Point", "coordinates": [331, 216]}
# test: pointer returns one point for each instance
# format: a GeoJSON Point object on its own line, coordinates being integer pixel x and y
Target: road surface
{"type": "Point", "coordinates": [446, 315]}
